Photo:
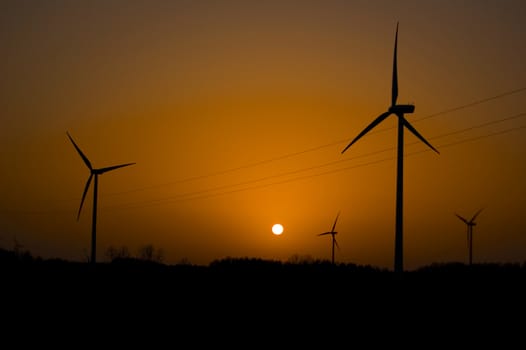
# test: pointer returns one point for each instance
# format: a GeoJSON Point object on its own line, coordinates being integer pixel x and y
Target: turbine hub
{"type": "Point", "coordinates": [402, 109]}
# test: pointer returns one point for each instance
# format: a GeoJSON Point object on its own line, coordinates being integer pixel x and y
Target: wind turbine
{"type": "Point", "coordinates": [399, 111]}
{"type": "Point", "coordinates": [470, 225]}
{"type": "Point", "coordinates": [332, 233]}
{"type": "Point", "coordinates": [93, 173]}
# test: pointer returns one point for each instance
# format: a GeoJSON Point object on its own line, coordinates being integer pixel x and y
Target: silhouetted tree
{"type": "Point", "coordinates": [300, 259]}
{"type": "Point", "coordinates": [85, 256]}
{"type": "Point", "coordinates": [184, 261]}
{"type": "Point", "coordinates": [113, 253]}
{"type": "Point", "coordinates": [150, 253]}
{"type": "Point", "coordinates": [20, 252]}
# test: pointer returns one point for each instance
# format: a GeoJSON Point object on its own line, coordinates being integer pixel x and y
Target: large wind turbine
{"type": "Point", "coordinates": [399, 111]}
{"type": "Point", "coordinates": [93, 173]}
{"type": "Point", "coordinates": [470, 225]}
{"type": "Point", "coordinates": [332, 233]}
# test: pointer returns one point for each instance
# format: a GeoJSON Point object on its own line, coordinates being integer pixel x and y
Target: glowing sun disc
{"type": "Point", "coordinates": [277, 229]}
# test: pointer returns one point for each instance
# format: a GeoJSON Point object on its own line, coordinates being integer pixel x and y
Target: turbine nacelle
{"type": "Point", "coordinates": [402, 109]}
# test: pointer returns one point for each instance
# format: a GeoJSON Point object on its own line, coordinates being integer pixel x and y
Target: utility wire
{"type": "Point", "coordinates": [203, 193]}
{"type": "Point", "coordinates": [312, 149]}
{"type": "Point", "coordinates": [196, 194]}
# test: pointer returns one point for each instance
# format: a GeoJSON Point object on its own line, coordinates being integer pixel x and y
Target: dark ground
{"type": "Point", "coordinates": [254, 301]}
{"type": "Point", "coordinates": [253, 276]}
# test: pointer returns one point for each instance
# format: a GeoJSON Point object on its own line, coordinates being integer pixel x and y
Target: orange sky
{"type": "Point", "coordinates": [236, 113]}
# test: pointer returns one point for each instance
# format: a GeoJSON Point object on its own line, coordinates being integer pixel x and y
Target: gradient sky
{"type": "Point", "coordinates": [236, 113]}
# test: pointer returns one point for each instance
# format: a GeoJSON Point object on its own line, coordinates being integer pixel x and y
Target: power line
{"type": "Point", "coordinates": [221, 172]}
{"type": "Point", "coordinates": [481, 137]}
{"type": "Point", "coordinates": [206, 193]}
{"type": "Point", "coordinates": [366, 164]}
{"type": "Point", "coordinates": [487, 99]}
{"type": "Point", "coordinates": [516, 116]}
{"type": "Point", "coordinates": [261, 179]}
{"type": "Point", "coordinates": [195, 195]}
{"type": "Point", "coordinates": [312, 149]}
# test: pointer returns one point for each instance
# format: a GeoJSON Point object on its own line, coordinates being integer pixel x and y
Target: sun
{"type": "Point", "coordinates": [277, 229]}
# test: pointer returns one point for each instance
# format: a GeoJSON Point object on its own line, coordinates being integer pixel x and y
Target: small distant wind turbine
{"type": "Point", "coordinates": [96, 173]}
{"type": "Point", "coordinates": [332, 233]}
{"type": "Point", "coordinates": [399, 111]}
{"type": "Point", "coordinates": [470, 225]}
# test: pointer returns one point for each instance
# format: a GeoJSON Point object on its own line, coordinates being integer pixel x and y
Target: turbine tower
{"type": "Point", "coordinates": [332, 233]}
{"type": "Point", "coordinates": [399, 111]}
{"type": "Point", "coordinates": [470, 225]}
{"type": "Point", "coordinates": [93, 173]}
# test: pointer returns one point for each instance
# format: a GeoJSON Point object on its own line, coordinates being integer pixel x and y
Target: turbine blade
{"type": "Point", "coordinates": [417, 134]}
{"type": "Point", "coordinates": [336, 242]}
{"type": "Point", "coordinates": [368, 128]}
{"type": "Point", "coordinates": [110, 168]}
{"type": "Point", "coordinates": [476, 214]}
{"type": "Point", "coordinates": [324, 233]}
{"type": "Point", "coordinates": [84, 195]}
{"type": "Point", "coordinates": [333, 226]}
{"type": "Point", "coordinates": [461, 218]}
{"type": "Point", "coordinates": [82, 155]}
{"type": "Point", "coordinates": [394, 92]}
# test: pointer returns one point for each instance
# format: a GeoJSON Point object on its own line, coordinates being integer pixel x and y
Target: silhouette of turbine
{"type": "Point", "coordinates": [332, 233]}
{"type": "Point", "coordinates": [399, 111]}
{"type": "Point", "coordinates": [470, 225]}
{"type": "Point", "coordinates": [93, 173]}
